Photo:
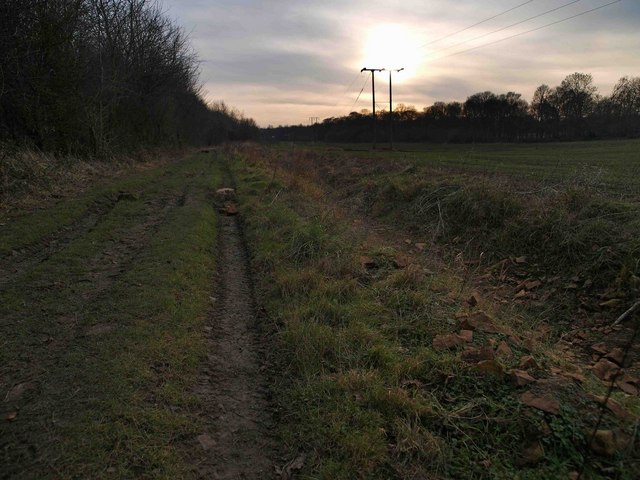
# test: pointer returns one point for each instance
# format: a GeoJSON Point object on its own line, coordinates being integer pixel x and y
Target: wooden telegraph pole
{"type": "Point", "coordinates": [373, 92]}
{"type": "Point", "coordinates": [391, 108]}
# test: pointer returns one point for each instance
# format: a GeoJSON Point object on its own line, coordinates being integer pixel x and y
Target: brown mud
{"type": "Point", "coordinates": [238, 443]}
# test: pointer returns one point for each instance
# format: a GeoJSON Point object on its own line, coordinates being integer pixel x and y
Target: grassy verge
{"type": "Point", "coordinates": [23, 228]}
{"type": "Point", "coordinates": [30, 179]}
{"type": "Point", "coordinates": [567, 225]}
{"type": "Point", "coordinates": [365, 393]}
{"type": "Point", "coordinates": [102, 340]}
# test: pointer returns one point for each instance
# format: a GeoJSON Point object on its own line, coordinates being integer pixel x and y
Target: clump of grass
{"type": "Point", "coordinates": [307, 242]}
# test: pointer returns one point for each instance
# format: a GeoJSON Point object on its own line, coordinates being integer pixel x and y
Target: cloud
{"type": "Point", "coordinates": [283, 61]}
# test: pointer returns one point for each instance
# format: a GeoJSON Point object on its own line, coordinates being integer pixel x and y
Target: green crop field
{"type": "Point", "coordinates": [614, 165]}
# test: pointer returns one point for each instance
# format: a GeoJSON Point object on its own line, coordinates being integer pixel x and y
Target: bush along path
{"type": "Point", "coordinates": [106, 323]}
{"type": "Point", "coordinates": [398, 363]}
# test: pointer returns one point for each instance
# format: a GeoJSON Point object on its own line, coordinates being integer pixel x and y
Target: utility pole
{"type": "Point", "coordinates": [373, 92]}
{"type": "Point", "coordinates": [313, 121]}
{"type": "Point", "coordinates": [391, 108]}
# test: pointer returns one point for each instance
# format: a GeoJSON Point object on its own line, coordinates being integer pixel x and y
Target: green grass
{"type": "Point", "coordinates": [362, 392]}
{"type": "Point", "coordinates": [24, 229]}
{"type": "Point", "coordinates": [111, 352]}
{"type": "Point", "coordinates": [612, 164]}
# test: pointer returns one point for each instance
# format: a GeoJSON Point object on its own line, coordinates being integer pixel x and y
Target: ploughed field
{"type": "Point", "coordinates": [428, 312]}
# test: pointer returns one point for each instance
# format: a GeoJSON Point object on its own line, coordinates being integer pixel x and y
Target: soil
{"type": "Point", "coordinates": [238, 443]}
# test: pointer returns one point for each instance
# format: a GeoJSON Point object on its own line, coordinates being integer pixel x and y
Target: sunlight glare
{"type": "Point", "coordinates": [392, 46]}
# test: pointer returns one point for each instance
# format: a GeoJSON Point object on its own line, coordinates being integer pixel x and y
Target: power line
{"type": "Point", "coordinates": [359, 74]}
{"type": "Point", "coordinates": [505, 28]}
{"type": "Point", "coordinates": [347, 90]}
{"type": "Point", "coordinates": [528, 31]}
{"type": "Point", "coordinates": [361, 90]}
{"type": "Point", "coordinates": [476, 24]}
{"type": "Point", "coordinates": [501, 29]}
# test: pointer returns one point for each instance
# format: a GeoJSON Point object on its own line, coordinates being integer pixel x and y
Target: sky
{"type": "Point", "coordinates": [283, 62]}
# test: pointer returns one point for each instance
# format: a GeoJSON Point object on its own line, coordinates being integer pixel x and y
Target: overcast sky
{"type": "Point", "coordinates": [283, 61]}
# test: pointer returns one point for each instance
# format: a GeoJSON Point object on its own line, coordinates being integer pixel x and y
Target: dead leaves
{"type": "Point", "coordinates": [368, 263]}
{"type": "Point", "coordinates": [613, 303]}
{"type": "Point", "coordinates": [227, 201]}
{"type": "Point", "coordinates": [17, 392]}
{"type": "Point", "coordinates": [532, 284]}
{"type": "Point", "coordinates": [206, 442]}
{"type": "Point", "coordinates": [527, 362]}
{"type": "Point", "coordinates": [489, 367]}
{"type": "Point", "coordinates": [605, 369]}
{"type": "Point", "coordinates": [628, 384]}
{"type": "Point", "coordinates": [504, 350]}
{"type": "Point", "coordinates": [609, 442]}
{"type": "Point", "coordinates": [531, 454]}
{"type": "Point", "coordinates": [544, 402]}
{"type": "Point", "coordinates": [229, 209]}
{"type": "Point", "coordinates": [225, 194]}
{"type": "Point", "coordinates": [520, 378]}
{"type": "Point", "coordinates": [473, 300]}
{"type": "Point", "coordinates": [616, 355]}
{"type": "Point", "coordinates": [466, 335]}
{"type": "Point", "coordinates": [614, 407]}
{"type": "Point", "coordinates": [401, 261]}
{"type": "Point", "coordinates": [480, 321]}
{"type": "Point", "coordinates": [475, 355]}
{"type": "Point", "coordinates": [447, 342]}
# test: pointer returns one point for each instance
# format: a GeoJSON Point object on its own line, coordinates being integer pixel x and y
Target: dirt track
{"type": "Point", "coordinates": [239, 444]}
{"type": "Point", "coordinates": [105, 318]}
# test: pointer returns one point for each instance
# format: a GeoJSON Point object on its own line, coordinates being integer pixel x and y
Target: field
{"type": "Point", "coordinates": [610, 164]}
{"type": "Point", "coordinates": [431, 312]}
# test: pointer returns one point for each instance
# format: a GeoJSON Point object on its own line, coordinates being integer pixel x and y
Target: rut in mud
{"type": "Point", "coordinates": [15, 264]}
{"type": "Point", "coordinates": [238, 444]}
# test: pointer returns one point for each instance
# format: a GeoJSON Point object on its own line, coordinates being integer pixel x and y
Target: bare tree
{"type": "Point", "coordinates": [96, 76]}
{"type": "Point", "coordinates": [626, 96]}
{"type": "Point", "coordinates": [576, 96]}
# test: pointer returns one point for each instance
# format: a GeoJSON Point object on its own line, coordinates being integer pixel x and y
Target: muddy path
{"type": "Point", "coordinates": [64, 330]}
{"type": "Point", "coordinates": [19, 261]}
{"type": "Point", "coordinates": [16, 263]}
{"type": "Point", "coordinates": [239, 442]}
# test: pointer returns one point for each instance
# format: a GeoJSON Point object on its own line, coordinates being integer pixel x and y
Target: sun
{"type": "Point", "coordinates": [392, 46]}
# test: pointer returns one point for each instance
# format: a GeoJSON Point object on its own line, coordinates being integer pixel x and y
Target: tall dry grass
{"type": "Point", "coordinates": [30, 178]}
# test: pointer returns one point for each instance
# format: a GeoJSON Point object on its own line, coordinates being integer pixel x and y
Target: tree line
{"type": "Point", "coordinates": [103, 76]}
{"type": "Point", "coordinates": [572, 110]}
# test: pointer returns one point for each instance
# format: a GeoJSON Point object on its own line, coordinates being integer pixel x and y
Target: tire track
{"type": "Point", "coordinates": [43, 361]}
{"type": "Point", "coordinates": [12, 266]}
{"type": "Point", "coordinates": [20, 261]}
{"type": "Point", "coordinates": [238, 443]}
